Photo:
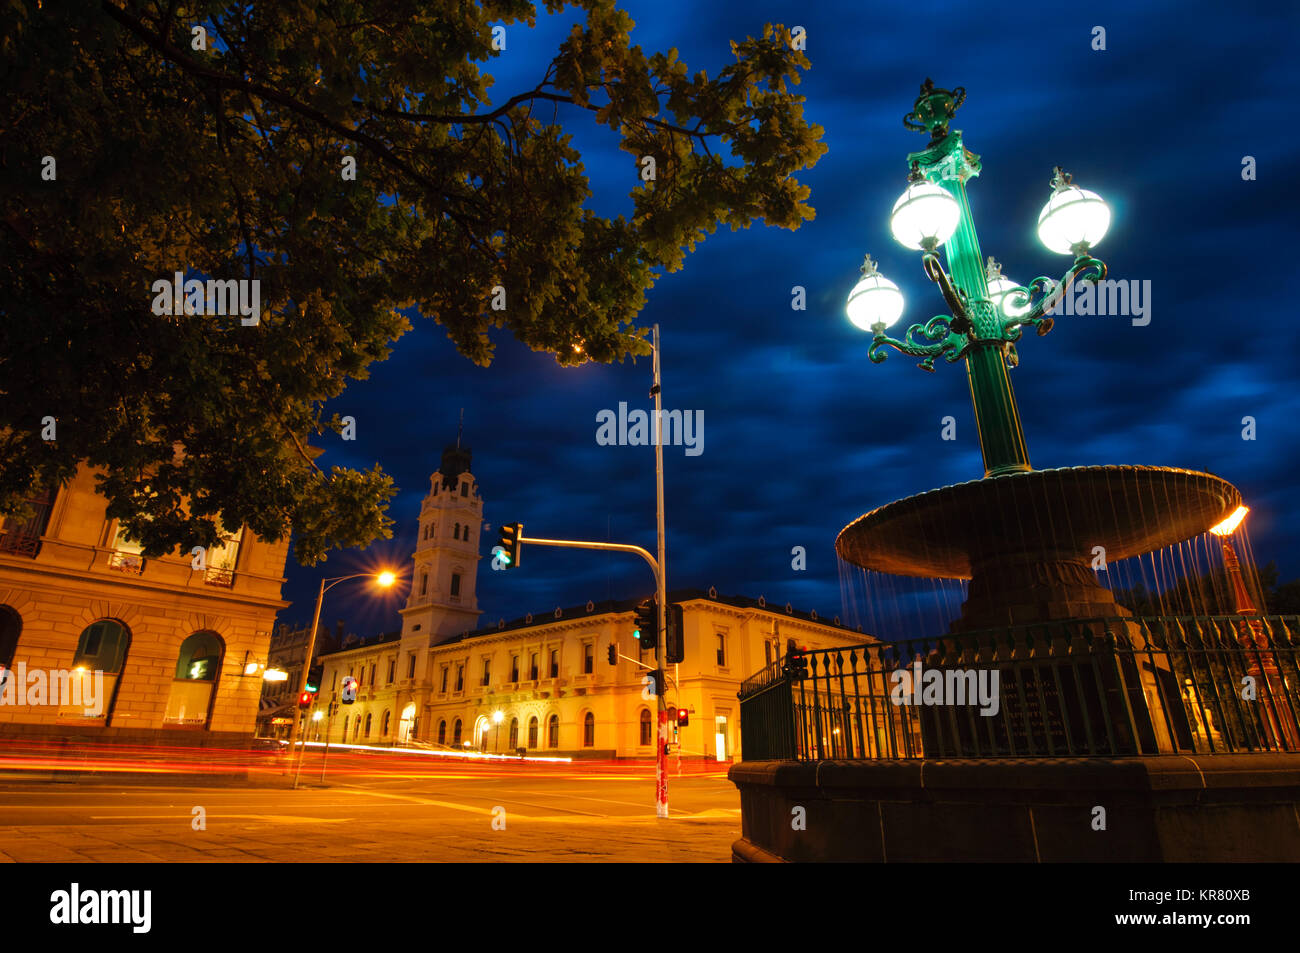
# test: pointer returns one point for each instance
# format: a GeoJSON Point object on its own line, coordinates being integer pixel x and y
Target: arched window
{"type": "Point", "coordinates": [367, 731]}
{"type": "Point", "coordinates": [455, 734]}
{"type": "Point", "coordinates": [406, 724]}
{"type": "Point", "coordinates": [189, 703]}
{"type": "Point", "coordinates": [11, 626]}
{"type": "Point", "coordinates": [442, 732]}
{"type": "Point", "coordinates": [199, 657]}
{"type": "Point", "coordinates": [514, 734]}
{"type": "Point", "coordinates": [101, 648]}
{"type": "Point", "coordinates": [532, 732]}
{"type": "Point", "coordinates": [553, 732]}
{"type": "Point", "coordinates": [589, 731]}
{"type": "Point", "coordinates": [356, 730]}
{"type": "Point", "coordinates": [646, 735]}
{"type": "Point", "coordinates": [384, 729]}
{"type": "Point", "coordinates": [456, 532]}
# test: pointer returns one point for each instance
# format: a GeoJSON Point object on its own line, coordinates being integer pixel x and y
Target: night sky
{"type": "Point", "coordinates": [801, 433]}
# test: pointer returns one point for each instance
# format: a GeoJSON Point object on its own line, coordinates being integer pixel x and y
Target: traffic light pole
{"type": "Point", "coordinates": [661, 643]}
{"type": "Point", "coordinates": [329, 723]}
{"type": "Point", "coordinates": [661, 585]}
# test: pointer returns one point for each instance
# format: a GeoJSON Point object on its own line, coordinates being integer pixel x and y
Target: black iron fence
{"type": "Point", "coordinates": [1076, 688]}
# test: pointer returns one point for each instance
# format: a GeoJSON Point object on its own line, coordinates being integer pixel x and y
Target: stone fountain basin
{"type": "Point", "coordinates": [1063, 513]}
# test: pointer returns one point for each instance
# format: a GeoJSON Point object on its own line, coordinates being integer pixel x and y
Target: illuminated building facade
{"type": "Point", "coordinates": [179, 652]}
{"type": "Point", "coordinates": [441, 681]}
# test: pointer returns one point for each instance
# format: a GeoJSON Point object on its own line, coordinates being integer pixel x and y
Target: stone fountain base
{"type": "Point", "coordinates": [1170, 808]}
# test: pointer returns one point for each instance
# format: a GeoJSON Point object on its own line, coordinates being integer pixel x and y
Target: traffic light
{"type": "Point", "coordinates": [796, 662]}
{"type": "Point", "coordinates": [613, 654]}
{"type": "Point", "coordinates": [313, 679]}
{"type": "Point", "coordinates": [675, 639]}
{"type": "Point", "coordinates": [653, 681]}
{"type": "Point", "coordinates": [683, 718]}
{"type": "Point", "coordinates": [647, 626]}
{"type": "Point", "coordinates": [510, 546]}
{"type": "Point", "coordinates": [305, 699]}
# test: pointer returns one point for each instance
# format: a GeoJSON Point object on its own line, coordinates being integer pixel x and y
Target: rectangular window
{"type": "Point", "coordinates": [392, 670]}
{"type": "Point", "coordinates": [455, 584]}
{"type": "Point", "coordinates": [555, 663]}
{"type": "Point", "coordinates": [410, 670]}
{"type": "Point", "coordinates": [424, 583]}
{"type": "Point", "coordinates": [372, 676]}
{"type": "Point", "coordinates": [514, 668]}
{"type": "Point", "coordinates": [532, 667]}
{"type": "Point", "coordinates": [722, 650]}
{"type": "Point", "coordinates": [444, 678]}
{"type": "Point", "coordinates": [127, 554]}
{"type": "Point", "coordinates": [487, 671]}
{"type": "Point", "coordinates": [588, 659]}
{"type": "Point", "coordinates": [223, 558]}
{"type": "Point", "coordinates": [464, 489]}
{"type": "Point", "coordinates": [23, 537]}
{"type": "Point", "coordinates": [767, 653]}
{"type": "Point", "coordinates": [460, 678]}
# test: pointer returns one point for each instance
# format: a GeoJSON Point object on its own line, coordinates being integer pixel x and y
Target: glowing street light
{"type": "Point", "coordinates": [1281, 720]}
{"type": "Point", "coordinates": [988, 310]}
{"type": "Point", "coordinates": [1229, 526]}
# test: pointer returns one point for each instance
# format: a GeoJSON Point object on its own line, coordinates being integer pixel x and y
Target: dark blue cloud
{"type": "Point", "coordinates": [802, 434]}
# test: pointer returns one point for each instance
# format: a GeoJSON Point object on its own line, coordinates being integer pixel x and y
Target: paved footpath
{"type": "Point", "coordinates": [398, 821]}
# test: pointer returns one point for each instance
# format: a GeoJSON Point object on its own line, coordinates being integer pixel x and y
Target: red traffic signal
{"type": "Point", "coordinates": [306, 699]}
{"type": "Point", "coordinates": [683, 718]}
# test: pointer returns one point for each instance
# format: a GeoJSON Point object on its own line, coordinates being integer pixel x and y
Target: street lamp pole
{"type": "Point", "coordinates": [385, 579]}
{"type": "Point", "coordinates": [302, 682]}
{"type": "Point", "coordinates": [1280, 721]}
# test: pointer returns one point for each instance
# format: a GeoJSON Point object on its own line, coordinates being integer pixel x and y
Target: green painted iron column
{"type": "Point", "coordinates": [949, 164]}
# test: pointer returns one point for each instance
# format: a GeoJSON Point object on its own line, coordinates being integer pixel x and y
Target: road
{"type": "Point", "coordinates": [378, 811]}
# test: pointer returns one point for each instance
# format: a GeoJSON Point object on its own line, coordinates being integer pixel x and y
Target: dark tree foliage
{"type": "Point", "coordinates": [226, 159]}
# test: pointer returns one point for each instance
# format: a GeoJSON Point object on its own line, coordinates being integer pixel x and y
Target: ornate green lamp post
{"type": "Point", "coordinates": [989, 311]}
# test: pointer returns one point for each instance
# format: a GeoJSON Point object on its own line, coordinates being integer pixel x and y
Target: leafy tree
{"type": "Point", "coordinates": [225, 153]}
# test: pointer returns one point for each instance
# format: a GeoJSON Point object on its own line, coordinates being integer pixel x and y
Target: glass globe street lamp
{"type": "Point", "coordinates": [988, 310]}
{"type": "Point", "coordinates": [875, 302]}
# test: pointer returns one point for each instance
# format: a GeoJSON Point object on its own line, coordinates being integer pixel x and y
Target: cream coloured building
{"type": "Point", "coordinates": [442, 681]}
{"type": "Point", "coordinates": [180, 651]}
